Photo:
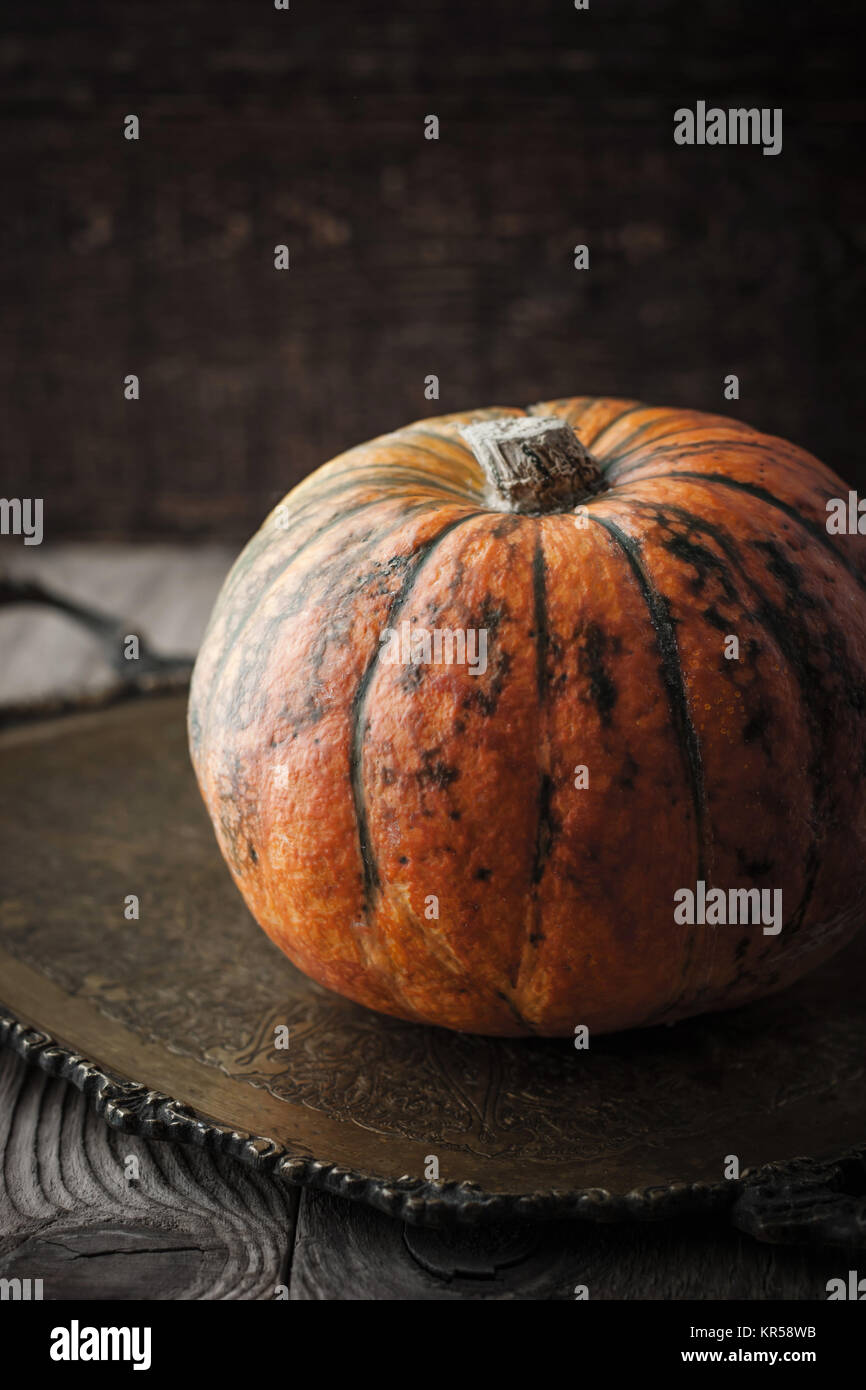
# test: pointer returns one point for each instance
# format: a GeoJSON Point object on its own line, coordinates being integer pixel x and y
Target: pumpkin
{"type": "Point", "coordinates": [504, 846]}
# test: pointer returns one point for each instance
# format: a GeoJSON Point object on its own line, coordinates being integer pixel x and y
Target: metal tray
{"type": "Point", "coordinates": [168, 1022]}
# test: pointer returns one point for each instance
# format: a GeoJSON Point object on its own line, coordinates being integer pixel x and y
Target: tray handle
{"type": "Point", "coordinates": [806, 1202]}
{"type": "Point", "coordinates": [110, 631]}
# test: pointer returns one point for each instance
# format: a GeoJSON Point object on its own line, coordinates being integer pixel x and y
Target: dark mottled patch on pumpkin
{"type": "Point", "coordinates": [229, 828]}
{"type": "Point", "coordinates": [434, 771]}
{"type": "Point", "coordinates": [305, 717]}
{"type": "Point", "coordinates": [484, 691]}
{"type": "Point", "coordinates": [253, 855]}
{"type": "Point", "coordinates": [556, 652]}
{"type": "Point", "coordinates": [706, 564]}
{"type": "Point", "coordinates": [816, 530]}
{"type": "Point", "coordinates": [504, 526]}
{"type": "Point", "coordinates": [235, 792]}
{"type": "Point", "coordinates": [411, 677]}
{"type": "Point", "coordinates": [753, 868]}
{"type": "Point", "coordinates": [592, 652]}
{"type": "Point", "coordinates": [718, 620]}
{"type": "Point", "coordinates": [236, 597]}
{"type": "Point", "coordinates": [485, 698]}
{"type": "Point", "coordinates": [629, 770]}
{"type": "Point", "coordinates": [412, 565]}
{"type": "Point", "coordinates": [378, 579]}
{"type": "Point", "coordinates": [789, 575]}
{"type": "Point", "coordinates": [757, 724]}
{"type": "Point", "coordinates": [493, 613]}
{"type": "Point", "coordinates": [483, 874]}
{"type": "Point", "coordinates": [336, 580]}
{"type": "Point", "coordinates": [819, 662]}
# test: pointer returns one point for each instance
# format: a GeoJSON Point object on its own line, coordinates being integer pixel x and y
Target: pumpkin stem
{"type": "Point", "coordinates": [533, 463]}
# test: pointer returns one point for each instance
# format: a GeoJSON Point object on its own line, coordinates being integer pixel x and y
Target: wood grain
{"type": "Point", "coordinates": [191, 1226]}
{"type": "Point", "coordinates": [409, 256]}
{"type": "Point", "coordinates": [345, 1252]}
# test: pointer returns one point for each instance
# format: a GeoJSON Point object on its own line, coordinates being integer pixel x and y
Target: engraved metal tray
{"type": "Point", "coordinates": [169, 1023]}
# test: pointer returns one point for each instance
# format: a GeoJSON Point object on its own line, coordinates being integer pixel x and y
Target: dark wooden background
{"type": "Point", "coordinates": [409, 256]}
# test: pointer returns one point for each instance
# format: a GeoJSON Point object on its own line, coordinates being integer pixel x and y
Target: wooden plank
{"type": "Point", "coordinates": [347, 1252]}
{"type": "Point", "coordinates": [409, 256]}
{"type": "Point", "coordinates": [189, 1226]}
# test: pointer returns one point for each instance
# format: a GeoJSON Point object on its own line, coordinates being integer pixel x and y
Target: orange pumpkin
{"type": "Point", "coordinates": [500, 850]}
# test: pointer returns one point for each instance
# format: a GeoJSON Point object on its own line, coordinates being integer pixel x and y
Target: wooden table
{"type": "Point", "coordinates": [196, 1226]}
